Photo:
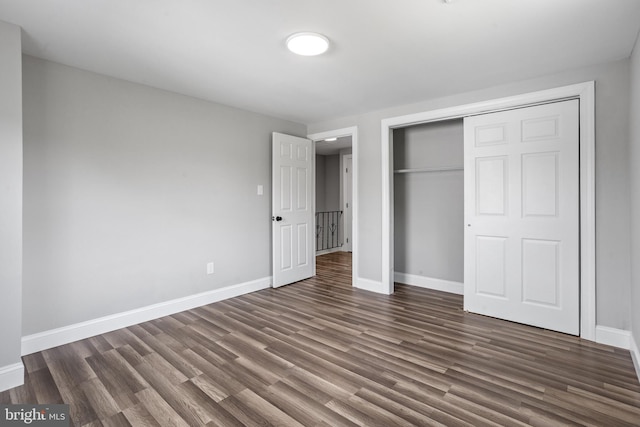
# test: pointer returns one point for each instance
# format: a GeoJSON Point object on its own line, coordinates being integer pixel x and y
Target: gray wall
{"type": "Point", "coordinates": [634, 162]}
{"type": "Point", "coordinates": [332, 182]}
{"type": "Point", "coordinates": [429, 206]}
{"type": "Point", "coordinates": [10, 193]}
{"type": "Point", "coordinates": [327, 183]}
{"type": "Point", "coordinates": [129, 191]}
{"type": "Point", "coordinates": [613, 264]}
{"type": "Point", "coordinates": [320, 183]}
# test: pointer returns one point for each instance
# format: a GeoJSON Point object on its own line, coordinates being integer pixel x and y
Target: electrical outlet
{"type": "Point", "coordinates": [210, 269]}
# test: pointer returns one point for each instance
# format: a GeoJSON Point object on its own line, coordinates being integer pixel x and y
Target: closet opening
{"type": "Point", "coordinates": [585, 92]}
{"type": "Point", "coordinates": [428, 205]}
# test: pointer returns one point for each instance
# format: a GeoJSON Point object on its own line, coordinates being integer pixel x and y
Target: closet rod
{"type": "Point", "coordinates": [440, 169]}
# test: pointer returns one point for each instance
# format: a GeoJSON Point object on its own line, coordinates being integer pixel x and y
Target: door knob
{"type": "Point", "coordinates": [276, 218]}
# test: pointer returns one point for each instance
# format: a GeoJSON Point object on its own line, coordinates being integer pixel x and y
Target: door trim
{"type": "Point", "coordinates": [353, 132]}
{"type": "Point", "coordinates": [585, 92]}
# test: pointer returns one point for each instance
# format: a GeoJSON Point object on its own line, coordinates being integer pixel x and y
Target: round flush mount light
{"type": "Point", "coordinates": [307, 44]}
{"type": "Point", "coordinates": [331, 140]}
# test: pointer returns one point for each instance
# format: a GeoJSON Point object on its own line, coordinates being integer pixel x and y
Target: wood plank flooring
{"type": "Point", "coordinates": [320, 353]}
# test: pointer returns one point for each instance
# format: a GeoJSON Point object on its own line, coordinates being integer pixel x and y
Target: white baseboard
{"type": "Point", "coordinates": [368, 285]}
{"type": "Point", "coordinates": [635, 355]}
{"type": "Point", "coordinates": [11, 376]}
{"type": "Point", "coordinates": [430, 283]}
{"type": "Point", "coordinates": [64, 335]}
{"type": "Point", "coordinates": [621, 339]}
{"type": "Point", "coordinates": [614, 337]}
{"type": "Point", "coordinates": [329, 251]}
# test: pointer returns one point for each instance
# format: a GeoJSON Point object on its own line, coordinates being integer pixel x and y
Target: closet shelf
{"type": "Point", "coordinates": [436, 169]}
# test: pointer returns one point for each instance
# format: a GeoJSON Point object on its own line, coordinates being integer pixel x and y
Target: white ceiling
{"type": "Point", "coordinates": [383, 52]}
{"type": "Point", "coordinates": [329, 148]}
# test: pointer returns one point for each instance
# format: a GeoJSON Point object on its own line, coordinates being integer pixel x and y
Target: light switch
{"type": "Point", "coordinates": [260, 190]}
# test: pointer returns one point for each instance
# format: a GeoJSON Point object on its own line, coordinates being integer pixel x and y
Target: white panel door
{"type": "Point", "coordinates": [521, 183]}
{"type": "Point", "coordinates": [293, 216]}
{"type": "Point", "coordinates": [348, 202]}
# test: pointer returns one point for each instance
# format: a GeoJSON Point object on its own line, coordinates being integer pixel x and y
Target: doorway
{"type": "Point", "coordinates": [585, 93]}
{"type": "Point", "coordinates": [343, 144]}
{"type": "Point", "coordinates": [333, 195]}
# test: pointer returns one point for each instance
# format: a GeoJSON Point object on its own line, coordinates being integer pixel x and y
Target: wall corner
{"type": "Point", "coordinates": [11, 165]}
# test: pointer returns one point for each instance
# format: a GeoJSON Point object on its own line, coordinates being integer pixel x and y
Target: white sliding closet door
{"type": "Point", "coordinates": [522, 215]}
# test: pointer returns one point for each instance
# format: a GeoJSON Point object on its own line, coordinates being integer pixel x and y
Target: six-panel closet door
{"type": "Point", "coordinates": [521, 183]}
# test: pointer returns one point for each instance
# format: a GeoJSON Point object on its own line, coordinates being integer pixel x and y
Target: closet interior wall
{"type": "Point", "coordinates": [429, 201]}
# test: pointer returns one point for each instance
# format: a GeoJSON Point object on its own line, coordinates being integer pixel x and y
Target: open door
{"type": "Point", "coordinates": [522, 246]}
{"type": "Point", "coordinates": [293, 213]}
{"type": "Point", "coordinates": [348, 202]}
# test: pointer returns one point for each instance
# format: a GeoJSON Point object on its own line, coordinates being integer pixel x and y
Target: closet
{"type": "Point", "coordinates": [429, 205]}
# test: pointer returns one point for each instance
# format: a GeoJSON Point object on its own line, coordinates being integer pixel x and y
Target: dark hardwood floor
{"type": "Point", "coordinates": [319, 353]}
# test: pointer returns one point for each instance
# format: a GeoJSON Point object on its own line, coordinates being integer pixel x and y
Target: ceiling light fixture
{"type": "Point", "coordinates": [331, 139]}
{"type": "Point", "coordinates": [307, 44]}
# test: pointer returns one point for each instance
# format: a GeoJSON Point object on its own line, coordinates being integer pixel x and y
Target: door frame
{"type": "Point", "coordinates": [337, 133]}
{"type": "Point", "coordinates": [585, 92]}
